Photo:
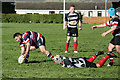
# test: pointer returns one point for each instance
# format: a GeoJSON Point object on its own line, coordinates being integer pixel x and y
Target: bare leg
{"type": "Point", "coordinates": [75, 39]}
{"type": "Point", "coordinates": [68, 39]}
{"type": "Point", "coordinates": [44, 51]}
{"type": "Point", "coordinates": [75, 44]}
{"type": "Point", "coordinates": [111, 47]}
{"type": "Point", "coordinates": [118, 48]}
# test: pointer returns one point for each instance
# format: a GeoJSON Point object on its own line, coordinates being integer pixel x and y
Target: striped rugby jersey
{"type": "Point", "coordinates": [72, 19]}
{"type": "Point", "coordinates": [112, 22]}
{"type": "Point", "coordinates": [31, 37]}
{"type": "Point", "coordinates": [74, 62]}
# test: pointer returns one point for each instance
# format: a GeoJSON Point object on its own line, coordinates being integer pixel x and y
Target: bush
{"type": "Point", "coordinates": [32, 18]}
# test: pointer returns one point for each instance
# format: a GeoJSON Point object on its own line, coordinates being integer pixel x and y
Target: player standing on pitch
{"type": "Point", "coordinates": [71, 20]}
{"type": "Point", "coordinates": [115, 29]}
{"type": "Point", "coordinates": [33, 40]}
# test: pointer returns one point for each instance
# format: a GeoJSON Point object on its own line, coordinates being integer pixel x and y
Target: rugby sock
{"type": "Point", "coordinates": [111, 61]}
{"type": "Point", "coordinates": [50, 56]}
{"type": "Point", "coordinates": [102, 61]}
{"type": "Point", "coordinates": [92, 58]}
{"type": "Point", "coordinates": [75, 46]}
{"type": "Point", "coordinates": [67, 45]}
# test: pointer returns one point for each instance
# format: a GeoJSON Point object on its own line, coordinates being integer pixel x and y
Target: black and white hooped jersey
{"type": "Point", "coordinates": [74, 62]}
{"type": "Point", "coordinates": [72, 19]}
{"type": "Point", "coordinates": [31, 37]}
{"type": "Point", "coordinates": [112, 22]}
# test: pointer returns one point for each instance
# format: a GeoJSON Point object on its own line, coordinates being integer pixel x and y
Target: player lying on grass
{"type": "Point", "coordinates": [82, 62]}
{"type": "Point", "coordinates": [33, 40]}
{"type": "Point", "coordinates": [114, 23]}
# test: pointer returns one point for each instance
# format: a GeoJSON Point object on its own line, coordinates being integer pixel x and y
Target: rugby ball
{"type": "Point", "coordinates": [21, 59]}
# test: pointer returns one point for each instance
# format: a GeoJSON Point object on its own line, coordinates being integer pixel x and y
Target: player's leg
{"type": "Point", "coordinates": [68, 39]}
{"type": "Point", "coordinates": [67, 43]}
{"type": "Point", "coordinates": [44, 51]}
{"type": "Point", "coordinates": [117, 44]}
{"type": "Point", "coordinates": [111, 47]}
{"type": "Point", "coordinates": [111, 59]}
{"type": "Point", "coordinates": [94, 56]}
{"type": "Point", "coordinates": [110, 50]}
{"type": "Point", "coordinates": [118, 48]}
{"type": "Point", "coordinates": [103, 60]}
{"type": "Point", "coordinates": [41, 44]}
{"type": "Point", "coordinates": [75, 44]}
{"type": "Point", "coordinates": [90, 64]}
{"type": "Point", "coordinates": [75, 35]}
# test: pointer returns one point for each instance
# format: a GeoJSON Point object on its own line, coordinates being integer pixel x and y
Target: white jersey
{"type": "Point", "coordinates": [74, 62]}
{"type": "Point", "coordinates": [72, 19]}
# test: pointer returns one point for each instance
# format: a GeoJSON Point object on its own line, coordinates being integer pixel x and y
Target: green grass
{"type": "Point", "coordinates": [40, 66]}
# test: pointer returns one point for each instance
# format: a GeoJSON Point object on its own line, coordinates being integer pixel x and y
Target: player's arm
{"type": "Point", "coordinates": [101, 25]}
{"type": "Point", "coordinates": [80, 25]}
{"type": "Point", "coordinates": [65, 21]}
{"type": "Point", "coordinates": [110, 30]}
{"type": "Point", "coordinates": [65, 24]}
{"type": "Point", "coordinates": [27, 49]}
{"type": "Point", "coordinates": [22, 50]}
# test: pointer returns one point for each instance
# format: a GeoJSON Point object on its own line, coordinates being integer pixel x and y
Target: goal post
{"type": "Point", "coordinates": [64, 15]}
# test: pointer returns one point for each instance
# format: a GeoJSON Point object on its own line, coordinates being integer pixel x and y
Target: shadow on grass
{"type": "Point", "coordinates": [117, 65]}
{"type": "Point", "coordinates": [39, 61]}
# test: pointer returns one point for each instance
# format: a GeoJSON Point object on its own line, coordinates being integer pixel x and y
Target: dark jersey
{"type": "Point", "coordinates": [112, 22]}
{"type": "Point", "coordinates": [72, 19]}
{"type": "Point", "coordinates": [31, 37]}
{"type": "Point", "coordinates": [74, 62]}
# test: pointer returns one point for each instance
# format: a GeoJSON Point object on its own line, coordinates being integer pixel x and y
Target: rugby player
{"type": "Point", "coordinates": [114, 23]}
{"type": "Point", "coordinates": [32, 40]}
{"type": "Point", "coordinates": [82, 62]}
{"type": "Point", "coordinates": [71, 20]}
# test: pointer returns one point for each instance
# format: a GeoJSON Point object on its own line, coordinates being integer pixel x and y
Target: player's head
{"type": "Point", "coordinates": [72, 8]}
{"type": "Point", "coordinates": [17, 37]}
{"type": "Point", "coordinates": [58, 59]}
{"type": "Point", "coordinates": [111, 11]}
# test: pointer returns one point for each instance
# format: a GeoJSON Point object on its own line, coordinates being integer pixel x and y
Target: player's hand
{"type": "Point", "coordinates": [55, 63]}
{"type": "Point", "coordinates": [104, 34]}
{"type": "Point", "coordinates": [80, 28]}
{"type": "Point", "coordinates": [65, 27]}
{"type": "Point", "coordinates": [93, 27]}
{"type": "Point", "coordinates": [25, 56]}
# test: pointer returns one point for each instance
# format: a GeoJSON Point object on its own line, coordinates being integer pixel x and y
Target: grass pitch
{"type": "Point", "coordinates": [40, 66]}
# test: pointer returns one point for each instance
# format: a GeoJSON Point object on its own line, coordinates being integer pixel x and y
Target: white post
{"type": "Point", "coordinates": [64, 14]}
{"type": "Point", "coordinates": [0, 40]}
{"type": "Point", "coordinates": [105, 10]}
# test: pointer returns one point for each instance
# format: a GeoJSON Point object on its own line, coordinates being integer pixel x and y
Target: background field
{"type": "Point", "coordinates": [40, 66]}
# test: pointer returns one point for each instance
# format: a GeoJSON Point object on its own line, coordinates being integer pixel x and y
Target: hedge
{"type": "Point", "coordinates": [32, 18]}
